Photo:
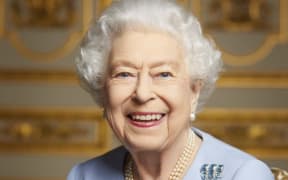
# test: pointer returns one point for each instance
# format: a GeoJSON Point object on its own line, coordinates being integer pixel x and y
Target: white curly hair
{"type": "Point", "coordinates": [203, 59]}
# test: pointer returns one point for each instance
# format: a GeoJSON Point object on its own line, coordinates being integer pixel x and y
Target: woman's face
{"type": "Point", "coordinates": [149, 94]}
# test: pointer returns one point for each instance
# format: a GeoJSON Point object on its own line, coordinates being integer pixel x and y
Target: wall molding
{"type": "Point", "coordinates": [270, 39]}
{"type": "Point", "coordinates": [271, 79]}
{"type": "Point", "coordinates": [60, 130]}
{"type": "Point", "coordinates": [264, 130]}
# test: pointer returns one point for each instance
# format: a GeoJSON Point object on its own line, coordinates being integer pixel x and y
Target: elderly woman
{"type": "Point", "coordinates": [147, 63]}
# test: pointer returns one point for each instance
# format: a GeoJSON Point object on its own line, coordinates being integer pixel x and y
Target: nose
{"type": "Point", "coordinates": [143, 90]}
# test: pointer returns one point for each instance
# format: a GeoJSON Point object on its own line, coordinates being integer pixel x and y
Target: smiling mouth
{"type": "Point", "coordinates": [147, 117]}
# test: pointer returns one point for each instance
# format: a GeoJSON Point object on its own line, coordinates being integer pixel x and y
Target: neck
{"type": "Point", "coordinates": [159, 165]}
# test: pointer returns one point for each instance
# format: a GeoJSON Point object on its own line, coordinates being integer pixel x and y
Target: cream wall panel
{"type": "Point", "coordinates": [43, 95]}
{"type": "Point", "coordinates": [249, 98]}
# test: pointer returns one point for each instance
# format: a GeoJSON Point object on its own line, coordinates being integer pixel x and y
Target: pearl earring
{"type": "Point", "coordinates": [192, 117]}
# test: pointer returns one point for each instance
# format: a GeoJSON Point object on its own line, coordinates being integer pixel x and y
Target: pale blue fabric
{"type": "Point", "coordinates": [238, 165]}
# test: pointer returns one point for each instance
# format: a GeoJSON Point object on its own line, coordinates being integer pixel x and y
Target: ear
{"type": "Point", "coordinates": [196, 87]}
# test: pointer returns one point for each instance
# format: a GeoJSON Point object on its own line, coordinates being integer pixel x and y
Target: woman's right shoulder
{"type": "Point", "coordinates": [106, 166]}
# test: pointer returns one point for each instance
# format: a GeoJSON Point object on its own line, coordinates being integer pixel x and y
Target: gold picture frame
{"type": "Point", "coordinates": [270, 41]}
{"type": "Point", "coordinates": [54, 130]}
{"type": "Point", "coordinates": [58, 52]}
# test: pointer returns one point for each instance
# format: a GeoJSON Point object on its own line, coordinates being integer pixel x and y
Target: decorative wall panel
{"type": "Point", "coordinates": [245, 20]}
{"type": "Point", "coordinates": [63, 16]}
{"type": "Point", "coordinates": [53, 130]}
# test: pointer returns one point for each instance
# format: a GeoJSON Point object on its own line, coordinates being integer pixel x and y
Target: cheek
{"type": "Point", "coordinates": [178, 94]}
{"type": "Point", "coordinates": [118, 93]}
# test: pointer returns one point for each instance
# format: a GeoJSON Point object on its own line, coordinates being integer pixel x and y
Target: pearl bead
{"type": "Point", "coordinates": [180, 166]}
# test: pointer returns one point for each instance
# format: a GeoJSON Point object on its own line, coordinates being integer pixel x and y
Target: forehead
{"type": "Point", "coordinates": [146, 47]}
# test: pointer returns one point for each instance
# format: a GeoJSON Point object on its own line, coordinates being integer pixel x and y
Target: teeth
{"type": "Point", "coordinates": [152, 117]}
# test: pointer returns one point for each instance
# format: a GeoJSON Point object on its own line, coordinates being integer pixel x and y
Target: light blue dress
{"type": "Point", "coordinates": [215, 160]}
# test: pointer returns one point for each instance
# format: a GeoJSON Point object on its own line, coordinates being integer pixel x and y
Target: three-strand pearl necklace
{"type": "Point", "coordinates": [181, 164]}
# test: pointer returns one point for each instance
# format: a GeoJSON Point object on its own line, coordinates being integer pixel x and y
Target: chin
{"type": "Point", "coordinates": [146, 144]}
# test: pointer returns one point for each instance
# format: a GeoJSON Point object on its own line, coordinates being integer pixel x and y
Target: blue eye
{"type": "Point", "coordinates": [165, 74]}
{"type": "Point", "coordinates": [123, 75]}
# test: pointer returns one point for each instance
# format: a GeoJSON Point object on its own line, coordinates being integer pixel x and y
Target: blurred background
{"type": "Point", "coordinates": [48, 123]}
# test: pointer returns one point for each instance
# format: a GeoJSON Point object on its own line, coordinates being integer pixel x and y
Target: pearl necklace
{"type": "Point", "coordinates": [181, 164]}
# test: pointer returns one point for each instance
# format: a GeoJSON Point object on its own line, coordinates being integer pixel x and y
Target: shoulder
{"type": "Point", "coordinates": [253, 169]}
{"type": "Point", "coordinates": [236, 163]}
{"type": "Point", "coordinates": [217, 150]}
{"type": "Point", "coordinates": [107, 166]}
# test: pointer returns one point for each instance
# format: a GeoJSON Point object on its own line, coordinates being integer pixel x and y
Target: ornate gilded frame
{"type": "Point", "coordinates": [59, 52]}
{"type": "Point", "coordinates": [270, 41]}
{"type": "Point", "coordinates": [54, 130]}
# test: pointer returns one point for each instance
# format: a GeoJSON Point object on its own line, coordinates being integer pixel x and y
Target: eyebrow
{"type": "Point", "coordinates": [164, 62]}
{"type": "Point", "coordinates": [127, 63]}
{"type": "Point", "coordinates": [123, 62]}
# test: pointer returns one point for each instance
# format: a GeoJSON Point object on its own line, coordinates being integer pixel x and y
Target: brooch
{"type": "Point", "coordinates": [211, 171]}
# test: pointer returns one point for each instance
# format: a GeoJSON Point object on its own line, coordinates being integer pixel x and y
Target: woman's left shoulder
{"type": "Point", "coordinates": [253, 169]}
{"type": "Point", "coordinates": [232, 163]}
